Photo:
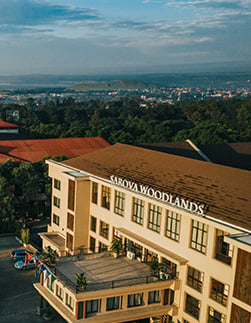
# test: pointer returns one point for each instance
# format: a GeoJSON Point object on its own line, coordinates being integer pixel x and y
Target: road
{"type": "Point", "coordinates": [18, 298]}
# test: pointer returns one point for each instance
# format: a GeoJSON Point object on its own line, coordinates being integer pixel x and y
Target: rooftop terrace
{"type": "Point", "coordinates": [103, 271]}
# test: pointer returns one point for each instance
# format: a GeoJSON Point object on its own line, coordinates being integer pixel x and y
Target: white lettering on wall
{"type": "Point", "coordinates": [159, 195]}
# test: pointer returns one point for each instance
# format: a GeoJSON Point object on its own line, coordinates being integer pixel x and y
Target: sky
{"type": "Point", "coordinates": [122, 36]}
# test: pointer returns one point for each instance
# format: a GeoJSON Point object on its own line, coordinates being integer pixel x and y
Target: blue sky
{"type": "Point", "coordinates": [119, 36]}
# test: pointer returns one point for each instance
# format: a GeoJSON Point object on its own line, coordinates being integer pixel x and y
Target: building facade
{"type": "Point", "coordinates": [186, 220]}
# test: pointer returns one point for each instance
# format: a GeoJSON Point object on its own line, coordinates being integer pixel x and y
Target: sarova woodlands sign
{"type": "Point", "coordinates": [159, 195]}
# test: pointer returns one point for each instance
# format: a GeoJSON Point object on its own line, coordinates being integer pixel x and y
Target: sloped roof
{"type": "Point", "coordinates": [4, 124]}
{"type": "Point", "coordinates": [35, 149]}
{"type": "Point", "coordinates": [225, 190]}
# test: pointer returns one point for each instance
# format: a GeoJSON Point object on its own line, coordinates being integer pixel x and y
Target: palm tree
{"type": "Point", "coordinates": [81, 280]}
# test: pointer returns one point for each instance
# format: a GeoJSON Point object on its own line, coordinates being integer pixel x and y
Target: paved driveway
{"type": "Point", "coordinates": [18, 298]}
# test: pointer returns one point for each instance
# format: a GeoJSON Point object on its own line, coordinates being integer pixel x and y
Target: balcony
{"type": "Point", "coordinates": [103, 271]}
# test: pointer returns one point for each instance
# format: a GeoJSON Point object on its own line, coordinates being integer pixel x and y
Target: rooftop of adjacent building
{"type": "Point", "coordinates": [7, 125]}
{"type": "Point", "coordinates": [224, 190]}
{"type": "Point", "coordinates": [32, 150]}
{"type": "Point", "coordinates": [229, 154]}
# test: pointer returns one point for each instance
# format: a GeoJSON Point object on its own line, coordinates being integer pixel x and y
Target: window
{"type": "Point", "coordinates": [192, 306]}
{"type": "Point", "coordinates": [69, 301]}
{"type": "Point", "coordinates": [154, 297]}
{"type": "Point", "coordinates": [154, 217]}
{"type": "Point", "coordinates": [138, 211]}
{"type": "Point", "coordinates": [215, 316]}
{"type": "Point", "coordinates": [71, 195]}
{"type": "Point", "coordinates": [59, 292]}
{"type": "Point", "coordinates": [106, 197]}
{"type": "Point", "coordinates": [93, 224]}
{"type": "Point", "coordinates": [104, 230]}
{"type": "Point", "coordinates": [92, 244]}
{"type": "Point", "coordinates": [69, 241]}
{"type": "Point", "coordinates": [195, 278]}
{"type": "Point", "coordinates": [55, 219]}
{"type": "Point", "coordinates": [56, 201]}
{"type": "Point", "coordinates": [70, 221]}
{"type": "Point", "coordinates": [199, 236]}
{"type": "Point", "coordinates": [94, 192]}
{"type": "Point", "coordinates": [102, 247]}
{"type": "Point", "coordinates": [173, 225]}
{"type": "Point", "coordinates": [113, 303]}
{"type": "Point", "coordinates": [93, 306]}
{"type": "Point", "coordinates": [135, 300]}
{"type": "Point", "coordinates": [57, 184]}
{"type": "Point", "coordinates": [219, 292]}
{"type": "Point", "coordinates": [223, 250]}
{"type": "Point", "coordinates": [119, 207]}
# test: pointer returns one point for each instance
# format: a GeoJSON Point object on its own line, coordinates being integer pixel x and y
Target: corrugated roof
{"type": "Point", "coordinates": [225, 190]}
{"type": "Point", "coordinates": [35, 150]}
{"type": "Point", "coordinates": [4, 124]}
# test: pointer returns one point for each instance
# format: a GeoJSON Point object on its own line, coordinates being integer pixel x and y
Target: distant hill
{"type": "Point", "coordinates": [110, 86]}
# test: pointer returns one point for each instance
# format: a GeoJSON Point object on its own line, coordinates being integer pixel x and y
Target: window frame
{"type": "Point", "coordinates": [70, 221]}
{"type": "Point", "coordinates": [173, 222]}
{"type": "Point", "coordinates": [93, 224]}
{"type": "Point", "coordinates": [137, 300]}
{"type": "Point", "coordinates": [211, 316]}
{"type": "Point", "coordinates": [55, 219]}
{"type": "Point", "coordinates": [193, 281]}
{"type": "Point", "coordinates": [94, 192]}
{"type": "Point", "coordinates": [69, 301]}
{"type": "Point", "coordinates": [57, 184]}
{"type": "Point", "coordinates": [104, 229]}
{"type": "Point", "coordinates": [106, 197]}
{"type": "Point", "coordinates": [200, 231]}
{"type": "Point", "coordinates": [194, 305]}
{"type": "Point", "coordinates": [116, 303]}
{"type": "Point", "coordinates": [154, 217]}
{"type": "Point", "coordinates": [119, 203]}
{"type": "Point", "coordinates": [223, 250]}
{"type": "Point", "coordinates": [59, 292]}
{"type": "Point", "coordinates": [219, 292]}
{"type": "Point", "coordinates": [56, 201]}
{"type": "Point", "coordinates": [138, 211]}
{"type": "Point", "coordinates": [154, 296]}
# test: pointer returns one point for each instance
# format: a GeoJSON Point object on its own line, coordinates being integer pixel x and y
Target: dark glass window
{"type": "Point", "coordinates": [199, 236]}
{"type": "Point", "coordinates": [70, 221]}
{"type": "Point", "coordinates": [92, 244]}
{"type": "Point", "coordinates": [173, 225]}
{"type": "Point", "coordinates": [56, 201]}
{"type": "Point", "coordinates": [93, 306]}
{"type": "Point", "coordinates": [215, 316]}
{"type": "Point", "coordinates": [55, 219]}
{"type": "Point", "coordinates": [94, 192]}
{"type": "Point", "coordinates": [93, 224]}
{"type": "Point", "coordinates": [219, 292]}
{"type": "Point", "coordinates": [113, 303]}
{"type": "Point", "coordinates": [119, 207]}
{"type": "Point", "coordinates": [106, 197]}
{"type": "Point", "coordinates": [71, 195]}
{"type": "Point", "coordinates": [194, 278]}
{"type": "Point", "coordinates": [192, 306]}
{"type": "Point", "coordinates": [138, 211]}
{"type": "Point", "coordinates": [104, 230]}
{"type": "Point", "coordinates": [57, 184]}
{"type": "Point", "coordinates": [154, 297]}
{"type": "Point", "coordinates": [135, 300]}
{"type": "Point", "coordinates": [69, 241]}
{"type": "Point", "coordinates": [223, 250]}
{"type": "Point", "coordinates": [154, 217]}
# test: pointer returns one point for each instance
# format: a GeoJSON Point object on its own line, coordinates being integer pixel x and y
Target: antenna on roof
{"type": "Point", "coordinates": [198, 150]}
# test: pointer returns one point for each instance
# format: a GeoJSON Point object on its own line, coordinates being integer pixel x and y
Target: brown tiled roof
{"type": "Point", "coordinates": [4, 124]}
{"type": "Point", "coordinates": [35, 149]}
{"type": "Point", "coordinates": [225, 190]}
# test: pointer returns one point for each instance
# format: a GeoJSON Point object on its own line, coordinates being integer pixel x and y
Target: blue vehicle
{"type": "Point", "coordinates": [23, 265]}
{"type": "Point", "coordinates": [18, 254]}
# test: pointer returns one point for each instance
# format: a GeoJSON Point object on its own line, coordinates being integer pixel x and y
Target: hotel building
{"type": "Point", "coordinates": [185, 229]}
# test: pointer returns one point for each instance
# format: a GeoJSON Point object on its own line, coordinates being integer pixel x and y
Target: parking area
{"type": "Point", "coordinates": [18, 298]}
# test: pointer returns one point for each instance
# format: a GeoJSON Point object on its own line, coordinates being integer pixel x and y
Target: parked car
{"type": "Point", "coordinates": [21, 265]}
{"type": "Point", "coordinates": [18, 254]}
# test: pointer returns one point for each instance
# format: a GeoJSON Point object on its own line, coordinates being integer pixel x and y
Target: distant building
{"type": "Point", "coordinates": [36, 149]}
{"type": "Point", "coordinates": [185, 230]}
{"type": "Point", "coordinates": [8, 128]}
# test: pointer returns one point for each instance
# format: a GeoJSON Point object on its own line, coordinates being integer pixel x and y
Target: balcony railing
{"type": "Point", "coordinates": [113, 283]}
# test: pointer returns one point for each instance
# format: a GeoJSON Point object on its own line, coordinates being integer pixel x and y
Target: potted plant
{"type": "Point", "coordinates": [116, 247]}
{"type": "Point", "coordinates": [81, 280]}
{"type": "Point", "coordinates": [49, 256]}
{"type": "Point", "coordinates": [155, 267]}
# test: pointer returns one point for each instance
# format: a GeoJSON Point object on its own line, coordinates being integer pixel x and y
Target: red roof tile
{"type": "Point", "coordinates": [35, 150]}
{"type": "Point", "coordinates": [4, 124]}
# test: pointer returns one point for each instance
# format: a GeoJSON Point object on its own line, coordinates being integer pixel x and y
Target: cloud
{"type": "Point", "coordinates": [211, 4]}
{"type": "Point", "coordinates": [32, 13]}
